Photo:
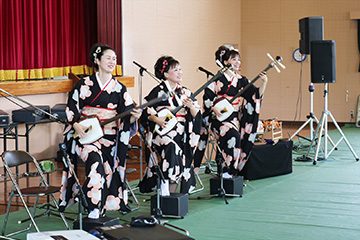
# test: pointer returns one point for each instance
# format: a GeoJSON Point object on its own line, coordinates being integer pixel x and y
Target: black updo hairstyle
{"type": "Point", "coordinates": [163, 64]}
{"type": "Point", "coordinates": [225, 52]}
{"type": "Point", "coordinates": [96, 52]}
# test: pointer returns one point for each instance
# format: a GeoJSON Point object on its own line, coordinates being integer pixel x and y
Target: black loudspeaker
{"type": "Point", "coordinates": [311, 29]}
{"type": "Point", "coordinates": [232, 186]}
{"type": "Point", "coordinates": [30, 114]}
{"type": "Point", "coordinates": [323, 61]}
{"type": "Point", "coordinates": [177, 204]}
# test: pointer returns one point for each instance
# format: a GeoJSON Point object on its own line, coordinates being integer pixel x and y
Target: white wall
{"type": "Point", "coordinates": [188, 30]}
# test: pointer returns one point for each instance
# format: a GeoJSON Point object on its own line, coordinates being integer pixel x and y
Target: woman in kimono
{"type": "Point", "coordinates": [176, 147]}
{"type": "Point", "coordinates": [236, 134]}
{"type": "Point", "coordinates": [99, 95]}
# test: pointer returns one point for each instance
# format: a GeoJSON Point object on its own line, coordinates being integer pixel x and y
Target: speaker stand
{"type": "Point", "coordinates": [311, 117]}
{"type": "Point", "coordinates": [323, 126]}
{"type": "Point", "coordinates": [310, 120]}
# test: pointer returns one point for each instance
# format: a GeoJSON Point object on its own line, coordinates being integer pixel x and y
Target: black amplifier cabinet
{"type": "Point", "coordinates": [177, 204]}
{"type": "Point", "coordinates": [58, 111]}
{"type": "Point", "coordinates": [30, 114]}
{"type": "Point", "coordinates": [4, 118]}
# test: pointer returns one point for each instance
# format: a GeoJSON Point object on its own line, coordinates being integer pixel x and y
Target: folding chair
{"type": "Point", "coordinates": [209, 156]}
{"type": "Point", "coordinates": [131, 190]}
{"type": "Point", "coordinates": [199, 182]}
{"type": "Point", "coordinates": [13, 159]}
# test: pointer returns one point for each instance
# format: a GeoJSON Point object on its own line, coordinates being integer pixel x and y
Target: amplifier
{"type": "Point", "coordinates": [232, 186]}
{"type": "Point", "coordinates": [30, 114]}
{"type": "Point", "coordinates": [58, 111]}
{"type": "Point", "coordinates": [177, 204]}
{"type": "Point", "coordinates": [4, 118]}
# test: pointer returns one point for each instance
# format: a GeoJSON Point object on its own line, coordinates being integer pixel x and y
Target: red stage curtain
{"type": "Point", "coordinates": [109, 27]}
{"type": "Point", "coordinates": [42, 39]}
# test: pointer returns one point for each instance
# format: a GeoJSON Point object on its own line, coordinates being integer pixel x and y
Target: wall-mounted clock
{"type": "Point", "coordinates": [298, 56]}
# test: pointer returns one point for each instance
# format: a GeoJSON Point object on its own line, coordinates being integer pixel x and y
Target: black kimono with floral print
{"type": "Point", "coordinates": [235, 136]}
{"type": "Point", "coordinates": [105, 159]}
{"type": "Point", "coordinates": [175, 148]}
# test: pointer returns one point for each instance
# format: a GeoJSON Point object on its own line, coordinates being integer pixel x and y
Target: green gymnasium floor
{"type": "Point", "coordinates": [313, 202]}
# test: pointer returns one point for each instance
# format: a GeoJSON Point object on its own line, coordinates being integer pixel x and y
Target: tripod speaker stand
{"type": "Point", "coordinates": [311, 117]}
{"type": "Point", "coordinates": [323, 126]}
{"type": "Point", "coordinates": [310, 121]}
{"type": "Point", "coordinates": [323, 71]}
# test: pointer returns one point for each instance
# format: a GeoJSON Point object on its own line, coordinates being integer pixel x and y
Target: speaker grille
{"type": "Point", "coordinates": [323, 61]}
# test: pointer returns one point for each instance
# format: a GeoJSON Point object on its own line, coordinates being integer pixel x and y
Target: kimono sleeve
{"type": "Point", "coordinates": [249, 93]}
{"type": "Point", "coordinates": [125, 103]}
{"type": "Point", "coordinates": [208, 101]}
{"type": "Point", "coordinates": [74, 103]}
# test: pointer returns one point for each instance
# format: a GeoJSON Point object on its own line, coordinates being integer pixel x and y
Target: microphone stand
{"type": "Point", "coordinates": [80, 194]}
{"type": "Point", "coordinates": [209, 153]}
{"type": "Point", "coordinates": [142, 69]}
{"type": "Point", "coordinates": [160, 176]}
{"type": "Point", "coordinates": [140, 76]}
{"type": "Point", "coordinates": [208, 73]}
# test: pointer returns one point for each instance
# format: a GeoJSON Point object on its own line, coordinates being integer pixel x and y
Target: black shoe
{"type": "Point", "coordinates": [124, 208]}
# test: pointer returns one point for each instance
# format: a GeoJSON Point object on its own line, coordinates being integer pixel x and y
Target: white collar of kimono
{"type": "Point", "coordinates": [169, 87]}
{"type": "Point", "coordinates": [231, 75]}
{"type": "Point", "coordinates": [171, 90]}
{"type": "Point", "coordinates": [97, 74]}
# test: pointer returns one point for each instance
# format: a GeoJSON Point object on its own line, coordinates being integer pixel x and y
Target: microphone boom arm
{"type": "Point", "coordinates": [33, 106]}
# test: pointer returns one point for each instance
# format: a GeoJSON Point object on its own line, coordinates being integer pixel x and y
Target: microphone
{"type": "Point", "coordinates": [205, 71]}
{"type": "Point", "coordinates": [141, 71]}
{"type": "Point", "coordinates": [141, 67]}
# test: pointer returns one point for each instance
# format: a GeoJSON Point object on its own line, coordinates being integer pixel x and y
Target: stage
{"type": "Point", "coordinates": [313, 202]}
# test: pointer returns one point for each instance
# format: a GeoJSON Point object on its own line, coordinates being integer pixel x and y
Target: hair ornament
{"type": "Point", "coordinates": [97, 51]}
{"type": "Point", "coordinates": [164, 64]}
{"type": "Point", "coordinates": [222, 54]}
